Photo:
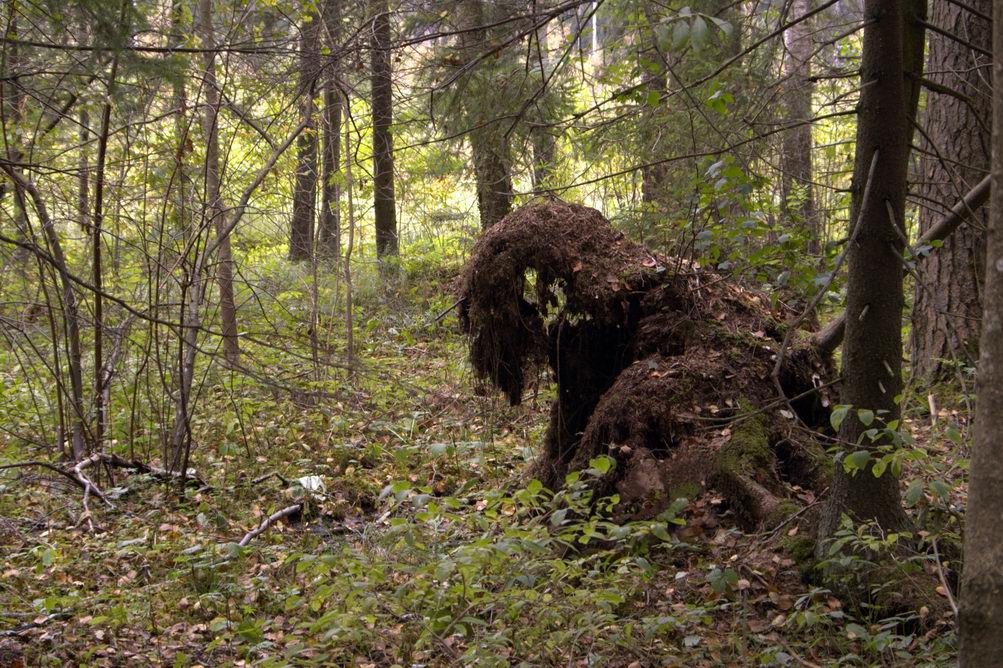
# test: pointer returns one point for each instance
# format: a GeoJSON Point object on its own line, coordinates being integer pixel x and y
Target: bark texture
{"type": "Point", "coordinates": [305, 192]}
{"type": "Point", "coordinates": [383, 143]}
{"type": "Point", "coordinates": [492, 173]}
{"type": "Point", "coordinates": [796, 159]}
{"type": "Point", "coordinates": [981, 611]}
{"type": "Point", "coordinates": [330, 209]}
{"type": "Point", "coordinates": [489, 147]}
{"type": "Point", "coordinates": [654, 176]}
{"type": "Point", "coordinates": [891, 66]}
{"type": "Point", "coordinates": [214, 203]}
{"type": "Point", "coordinates": [948, 300]}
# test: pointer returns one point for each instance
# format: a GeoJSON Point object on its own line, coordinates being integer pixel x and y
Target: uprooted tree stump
{"type": "Point", "coordinates": [660, 364]}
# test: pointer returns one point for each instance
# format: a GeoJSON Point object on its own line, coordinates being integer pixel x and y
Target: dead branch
{"type": "Point", "coordinates": [269, 521]}
{"type": "Point", "coordinates": [24, 628]}
{"type": "Point", "coordinates": [829, 338]}
{"type": "Point", "coordinates": [190, 476]}
{"type": "Point", "coordinates": [89, 487]}
{"type": "Point", "coordinates": [77, 477]}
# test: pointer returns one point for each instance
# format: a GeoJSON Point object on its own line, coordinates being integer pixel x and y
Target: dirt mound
{"type": "Point", "coordinates": [659, 363]}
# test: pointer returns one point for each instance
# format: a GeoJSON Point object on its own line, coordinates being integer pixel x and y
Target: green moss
{"type": "Point", "coordinates": [685, 490]}
{"type": "Point", "coordinates": [786, 508]}
{"type": "Point", "coordinates": [801, 549]}
{"type": "Point", "coordinates": [749, 447]}
{"type": "Point", "coordinates": [825, 464]}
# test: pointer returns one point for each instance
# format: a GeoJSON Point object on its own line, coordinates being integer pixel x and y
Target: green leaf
{"type": "Point", "coordinates": [659, 531]}
{"type": "Point", "coordinates": [680, 34]}
{"type": "Point", "coordinates": [838, 415]}
{"type": "Point", "coordinates": [854, 631]}
{"type": "Point", "coordinates": [698, 32]}
{"type": "Point", "coordinates": [865, 416]}
{"type": "Point", "coordinates": [722, 580]}
{"type": "Point", "coordinates": [603, 464]}
{"type": "Point", "coordinates": [856, 461]}
{"type": "Point", "coordinates": [941, 489]}
{"type": "Point", "coordinates": [664, 38]}
{"type": "Point", "coordinates": [723, 25]}
{"type": "Point", "coordinates": [913, 493]}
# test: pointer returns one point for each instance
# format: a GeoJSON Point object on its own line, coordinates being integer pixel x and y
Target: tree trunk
{"type": "Point", "coordinates": [947, 300]}
{"type": "Point", "coordinates": [796, 151]}
{"type": "Point", "coordinates": [100, 407]}
{"type": "Point", "coordinates": [544, 156]}
{"type": "Point", "coordinates": [383, 143]}
{"type": "Point", "coordinates": [189, 313]}
{"type": "Point", "coordinates": [981, 612]}
{"type": "Point", "coordinates": [489, 147]}
{"type": "Point", "coordinates": [491, 171]}
{"type": "Point", "coordinates": [330, 213]}
{"type": "Point", "coordinates": [654, 176]}
{"type": "Point", "coordinates": [891, 67]}
{"type": "Point", "coordinates": [214, 204]}
{"type": "Point", "coordinates": [305, 192]}
{"type": "Point", "coordinates": [83, 178]}
{"type": "Point", "coordinates": [14, 101]}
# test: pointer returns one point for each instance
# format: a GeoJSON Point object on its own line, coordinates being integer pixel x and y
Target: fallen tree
{"type": "Point", "coordinates": [663, 365]}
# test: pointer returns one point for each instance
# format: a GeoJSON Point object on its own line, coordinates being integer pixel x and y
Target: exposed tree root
{"type": "Point", "coordinates": [659, 363]}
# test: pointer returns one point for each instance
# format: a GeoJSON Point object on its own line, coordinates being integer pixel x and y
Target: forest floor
{"type": "Point", "coordinates": [421, 543]}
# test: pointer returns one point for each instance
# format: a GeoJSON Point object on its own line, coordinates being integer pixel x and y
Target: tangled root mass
{"type": "Point", "coordinates": [663, 365]}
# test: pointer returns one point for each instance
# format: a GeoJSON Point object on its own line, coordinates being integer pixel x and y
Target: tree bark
{"type": "Point", "coordinates": [14, 101]}
{"type": "Point", "coordinates": [891, 68]}
{"type": "Point", "coordinates": [981, 604]}
{"type": "Point", "coordinates": [947, 302]}
{"type": "Point", "coordinates": [489, 148]}
{"type": "Point", "coordinates": [383, 143]}
{"type": "Point", "coordinates": [83, 178]}
{"type": "Point", "coordinates": [544, 156]}
{"type": "Point", "coordinates": [330, 211]}
{"type": "Point", "coordinates": [189, 313]}
{"type": "Point", "coordinates": [214, 204]}
{"type": "Point", "coordinates": [796, 150]}
{"type": "Point", "coordinates": [654, 176]}
{"type": "Point", "coordinates": [491, 172]}
{"type": "Point", "coordinates": [305, 191]}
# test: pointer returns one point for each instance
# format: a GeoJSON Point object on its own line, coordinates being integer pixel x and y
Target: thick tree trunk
{"type": "Point", "coordinates": [981, 612]}
{"type": "Point", "coordinates": [305, 191]}
{"type": "Point", "coordinates": [383, 143]}
{"type": "Point", "coordinates": [330, 211]}
{"type": "Point", "coordinates": [796, 151]}
{"type": "Point", "coordinates": [891, 67]}
{"type": "Point", "coordinates": [947, 304]}
{"type": "Point", "coordinates": [654, 176]}
{"type": "Point", "coordinates": [491, 171]}
{"type": "Point", "coordinates": [214, 204]}
{"type": "Point", "coordinates": [489, 148]}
